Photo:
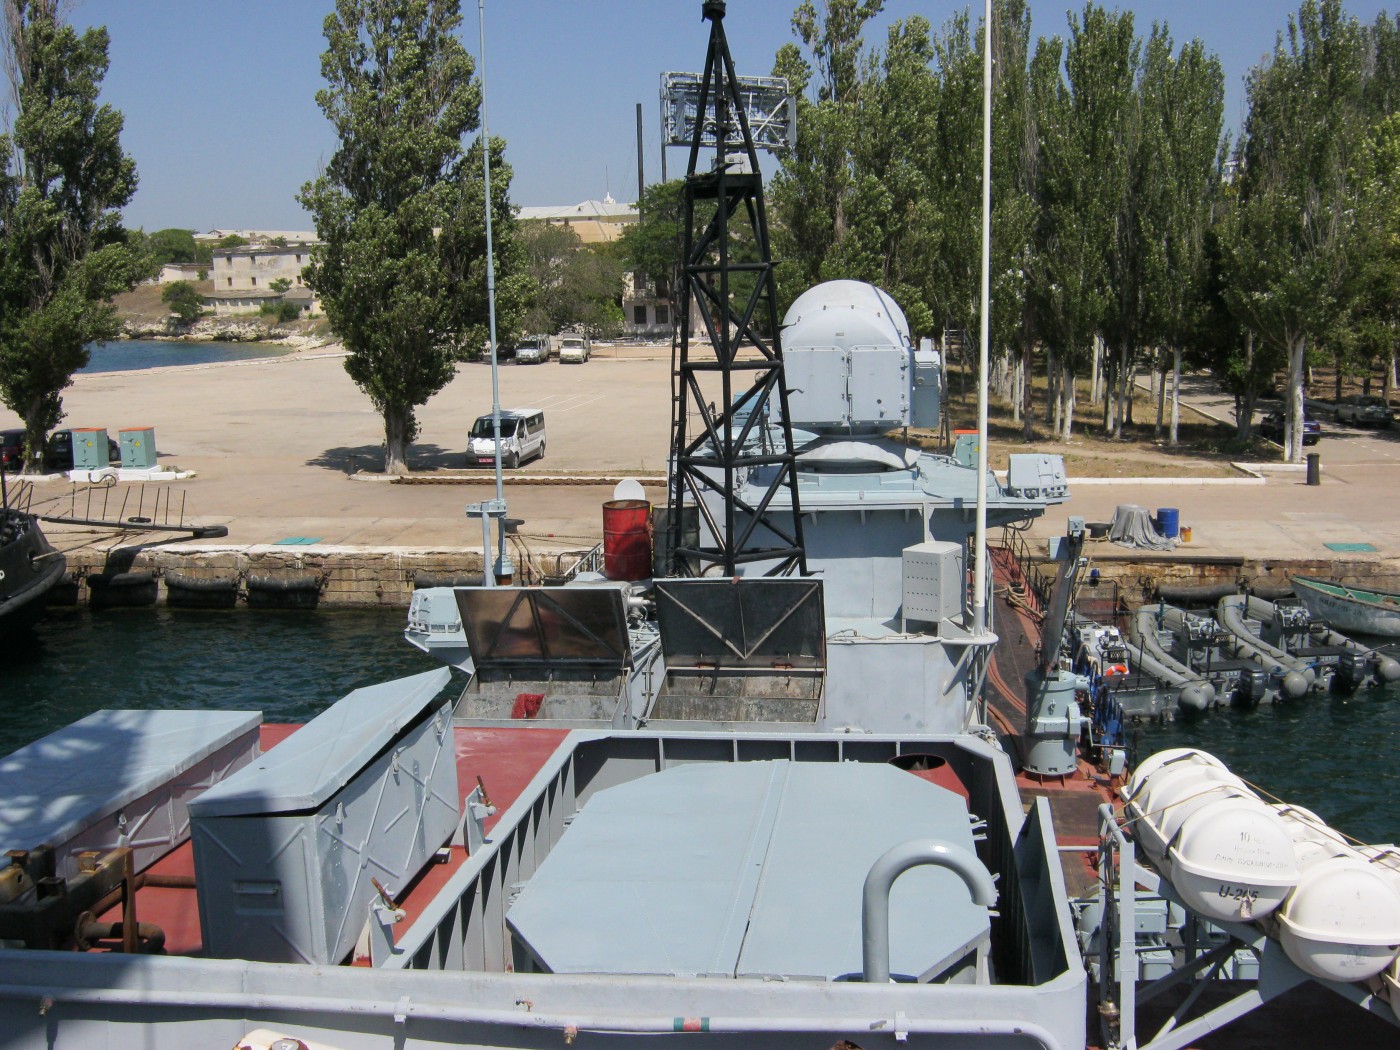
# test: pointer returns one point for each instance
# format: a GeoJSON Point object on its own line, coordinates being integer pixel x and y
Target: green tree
{"type": "Point", "coordinates": [172, 246]}
{"type": "Point", "coordinates": [230, 240]}
{"type": "Point", "coordinates": [1014, 205]}
{"type": "Point", "coordinates": [1285, 248]}
{"type": "Point", "coordinates": [576, 287]}
{"type": "Point", "coordinates": [400, 268]}
{"type": "Point", "coordinates": [811, 193]}
{"type": "Point", "coordinates": [1182, 103]}
{"type": "Point", "coordinates": [651, 246]}
{"type": "Point", "coordinates": [63, 179]}
{"type": "Point", "coordinates": [184, 300]}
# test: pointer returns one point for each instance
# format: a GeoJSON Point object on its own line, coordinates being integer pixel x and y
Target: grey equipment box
{"type": "Point", "coordinates": [119, 778]}
{"type": "Point", "coordinates": [284, 852]}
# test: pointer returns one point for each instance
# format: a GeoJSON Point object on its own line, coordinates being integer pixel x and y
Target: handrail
{"type": "Point", "coordinates": [894, 862]}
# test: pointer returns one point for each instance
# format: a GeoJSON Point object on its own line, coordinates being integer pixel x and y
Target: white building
{"type": "Point", "coordinates": [244, 277]}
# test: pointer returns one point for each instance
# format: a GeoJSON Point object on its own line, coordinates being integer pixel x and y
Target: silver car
{"type": "Point", "coordinates": [1363, 410]}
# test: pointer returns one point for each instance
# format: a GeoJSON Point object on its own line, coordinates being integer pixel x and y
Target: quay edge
{"type": "Point", "coordinates": [368, 577]}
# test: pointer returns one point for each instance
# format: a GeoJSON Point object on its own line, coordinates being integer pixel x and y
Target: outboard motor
{"type": "Point", "coordinates": [1350, 670]}
{"type": "Point", "coordinates": [1251, 686]}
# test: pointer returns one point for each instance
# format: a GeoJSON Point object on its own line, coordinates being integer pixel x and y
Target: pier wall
{"type": "Point", "coordinates": [343, 577]}
{"type": "Point", "coordinates": [1139, 574]}
{"type": "Point", "coordinates": [362, 577]}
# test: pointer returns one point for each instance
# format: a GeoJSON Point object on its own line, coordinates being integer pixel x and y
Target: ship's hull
{"type": "Point", "coordinates": [30, 568]}
{"type": "Point", "coordinates": [1351, 608]}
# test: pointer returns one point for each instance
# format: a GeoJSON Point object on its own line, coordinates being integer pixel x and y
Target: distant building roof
{"type": "Point", "coordinates": [604, 209]}
{"type": "Point", "coordinates": [290, 248]}
{"type": "Point", "coordinates": [258, 235]}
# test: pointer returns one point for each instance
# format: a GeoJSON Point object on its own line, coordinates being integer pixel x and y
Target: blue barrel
{"type": "Point", "coordinates": [1168, 520]}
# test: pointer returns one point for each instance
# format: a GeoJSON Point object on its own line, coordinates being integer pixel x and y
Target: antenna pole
{"type": "Point", "coordinates": [502, 569]}
{"type": "Point", "coordinates": [979, 575]}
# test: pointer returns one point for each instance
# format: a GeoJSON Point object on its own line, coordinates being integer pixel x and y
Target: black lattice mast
{"type": "Point", "coordinates": [726, 280]}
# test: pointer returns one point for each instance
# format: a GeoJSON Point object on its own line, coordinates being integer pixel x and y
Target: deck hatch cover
{"type": "Point", "coordinates": [558, 626]}
{"type": "Point", "coordinates": [328, 751]}
{"type": "Point", "coordinates": [749, 622]}
{"type": "Point", "coordinates": [723, 869]}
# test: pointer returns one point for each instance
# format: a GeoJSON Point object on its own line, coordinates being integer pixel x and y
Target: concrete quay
{"type": "Point", "coordinates": [288, 449]}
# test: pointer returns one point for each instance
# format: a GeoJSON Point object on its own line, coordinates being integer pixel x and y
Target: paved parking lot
{"type": "Point", "coordinates": [274, 444]}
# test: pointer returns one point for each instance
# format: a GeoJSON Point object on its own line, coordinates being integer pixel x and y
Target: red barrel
{"type": "Point", "coordinates": [627, 539]}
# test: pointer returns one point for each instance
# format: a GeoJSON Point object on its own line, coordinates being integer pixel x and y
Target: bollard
{"type": "Point", "coordinates": [1314, 468]}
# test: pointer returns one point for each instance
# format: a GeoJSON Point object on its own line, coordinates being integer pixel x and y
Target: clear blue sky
{"type": "Point", "coordinates": [222, 120]}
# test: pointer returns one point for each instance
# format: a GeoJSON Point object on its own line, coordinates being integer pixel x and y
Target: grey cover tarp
{"type": "Point", "coordinates": [1132, 527]}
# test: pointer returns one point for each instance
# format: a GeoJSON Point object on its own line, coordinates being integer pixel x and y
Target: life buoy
{"type": "Point", "coordinates": [1115, 669]}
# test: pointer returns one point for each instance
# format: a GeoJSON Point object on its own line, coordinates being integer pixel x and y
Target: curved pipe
{"type": "Point", "coordinates": [875, 897]}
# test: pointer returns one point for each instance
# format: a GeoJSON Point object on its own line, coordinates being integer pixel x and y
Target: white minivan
{"type": "Point", "coordinates": [522, 438]}
{"type": "Point", "coordinates": [573, 349]}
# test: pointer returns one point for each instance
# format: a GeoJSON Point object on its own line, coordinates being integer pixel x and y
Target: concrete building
{"type": "Point", "coordinates": [173, 271]}
{"type": "Point", "coordinates": [647, 307]}
{"type": "Point", "coordinates": [244, 277]}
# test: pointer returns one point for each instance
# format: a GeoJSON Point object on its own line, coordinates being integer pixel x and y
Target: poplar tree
{"type": "Point", "coordinates": [399, 210]}
{"type": "Point", "coordinates": [63, 179]}
{"type": "Point", "coordinates": [1182, 108]}
{"type": "Point", "coordinates": [1286, 243]}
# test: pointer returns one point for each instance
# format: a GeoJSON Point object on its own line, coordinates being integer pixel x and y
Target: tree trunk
{"type": "Point", "coordinates": [1293, 429]}
{"type": "Point", "coordinates": [1176, 395]}
{"type": "Point", "coordinates": [1388, 387]}
{"type": "Point", "coordinates": [1027, 388]}
{"type": "Point", "coordinates": [1125, 393]}
{"type": "Point", "coordinates": [1337, 386]}
{"type": "Point", "coordinates": [398, 424]}
{"type": "Point", "coordinates": [1094, 375]}
{"type": "Point", "coordinates": [1159, 392]}
{"type": "Point", "coordinates": [1244, 414]}
{"type": "Point", "coordinates": [1067, 402]}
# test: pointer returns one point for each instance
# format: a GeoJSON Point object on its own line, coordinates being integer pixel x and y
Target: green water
{"type": "Point", "coordinates": [288, 665]}
{"type": "Point", "coordinates": [1338, 756]}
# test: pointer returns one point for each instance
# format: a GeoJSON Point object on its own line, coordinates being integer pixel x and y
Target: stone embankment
{"type": "Point", "coordinates": [220, 329]}
{"type": "Point", "coordinates": [1138, 575]}
{"type": "Point", "coordinates": [324, 576]}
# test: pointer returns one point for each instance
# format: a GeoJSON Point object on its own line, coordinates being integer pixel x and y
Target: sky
{"type": "Point", "coordinates": [219, 95]}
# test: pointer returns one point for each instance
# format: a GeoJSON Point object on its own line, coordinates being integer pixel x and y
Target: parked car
{"type": "Point", "coordinates": [1363, 410]}
{"type": "Point", "coordinates": [1272, 427]}
{"type": "Point", "coordinates": [532, 350]}
{"type": "Point", "coordinates": [522, 438]}
{"type": "Point", "coordinates": [11, 451]}
{"type": "Point", "coordinates": [573, 349]}
{"type": "Point", "coordinates": [59, 453]}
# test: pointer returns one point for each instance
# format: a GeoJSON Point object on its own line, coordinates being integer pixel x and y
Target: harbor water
{"type": "Point", "coordinates": [125, 355]}
{"type": "Point", "coordinates": [288, 665]}
{"type": "Point", "coordinates": [1335, 755]}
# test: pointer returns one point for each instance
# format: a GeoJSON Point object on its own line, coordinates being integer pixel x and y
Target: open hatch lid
{"type": "Point", "coordinates": [514, 627]}
{"type": "Point", "coordinates": [749, 622]}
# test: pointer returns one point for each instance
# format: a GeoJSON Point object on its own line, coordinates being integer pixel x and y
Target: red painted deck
{"type": "Point", "coordinates": [505, 759]}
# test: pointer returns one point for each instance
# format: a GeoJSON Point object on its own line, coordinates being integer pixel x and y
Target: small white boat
{"type": "Point", "coordinates": [1351, 608]}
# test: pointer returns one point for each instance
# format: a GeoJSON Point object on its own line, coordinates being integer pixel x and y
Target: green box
{"type": "Point", "coordinates": [138, 447]}
{"type": "Point", "coordinates": [89, 448]}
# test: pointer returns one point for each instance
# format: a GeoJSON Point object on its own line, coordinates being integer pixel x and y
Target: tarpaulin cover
{"type": "Point", "coordinates": [1132, 527]}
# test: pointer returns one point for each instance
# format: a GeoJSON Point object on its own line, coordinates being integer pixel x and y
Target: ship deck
{"type": "Point", "coordinates": [505, 760]}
